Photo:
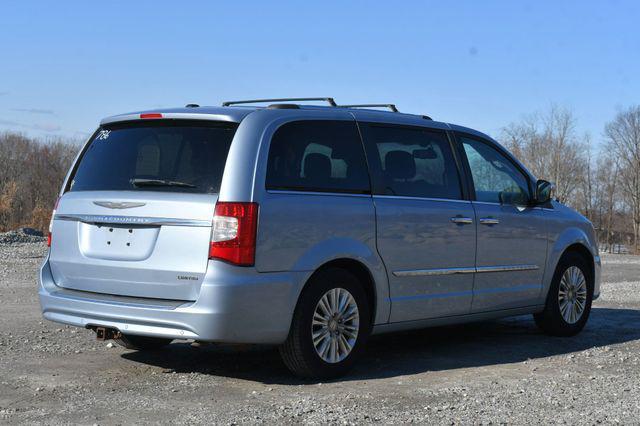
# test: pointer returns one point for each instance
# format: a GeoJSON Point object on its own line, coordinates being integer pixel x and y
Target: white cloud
{"type": "Point", "coordinates": [47, 127]}
{"type": "Point", "coordinates": [44, 127]}
{"type": "Point", "coordinates": [34, 110]}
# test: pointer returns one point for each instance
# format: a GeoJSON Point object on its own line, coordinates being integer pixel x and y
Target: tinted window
{"type": "Point", "coordinates": [317, 156]}
{"type": "Point", "coordinates": [413, 162]}
{"type": "Point", "coordinates": [155, 156]}
{"type": "Point", "coordinates": [495, 178]}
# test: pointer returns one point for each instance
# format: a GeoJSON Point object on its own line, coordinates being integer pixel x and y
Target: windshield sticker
{"type": "Point", "coordinates": [103, 135]}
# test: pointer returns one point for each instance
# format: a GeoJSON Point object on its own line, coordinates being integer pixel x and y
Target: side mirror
{"type": "Point", "coordinates": [544, 190]}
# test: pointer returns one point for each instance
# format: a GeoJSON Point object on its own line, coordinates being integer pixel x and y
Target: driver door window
{"type": "Point", "coordinates": [495, 178]}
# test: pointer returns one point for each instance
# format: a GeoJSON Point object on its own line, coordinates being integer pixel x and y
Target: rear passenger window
{"type": "Point", "coordinates": [324, 156]}
{"type": "Point", "coordinates": [412, 162]}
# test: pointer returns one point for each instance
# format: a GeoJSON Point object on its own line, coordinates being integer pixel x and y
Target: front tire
{"type": "Point", "coordinates": [569, 300]}
{"type": "Point", "coordinates": [330, 326]}
{"type": "Point", "coordinates": [142, 343]}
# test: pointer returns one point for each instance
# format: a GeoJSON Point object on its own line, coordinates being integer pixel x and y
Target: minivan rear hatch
{"type": "Point", "coordinates": [135, 217]}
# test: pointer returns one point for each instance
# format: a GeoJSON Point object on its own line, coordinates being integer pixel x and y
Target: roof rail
{"type": "Point", "coordinates": [392, 107]}
{"type": "Point", "coordinates": [330, 101]}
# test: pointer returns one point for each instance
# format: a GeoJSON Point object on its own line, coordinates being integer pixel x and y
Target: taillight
{"type": "Point", "coordinates": [233, 237]}
{"type": "Point", "coordinates": [53, 213]}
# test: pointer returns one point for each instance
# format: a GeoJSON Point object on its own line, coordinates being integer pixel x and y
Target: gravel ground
{"type": "Point", "coordinates": [498, 372]}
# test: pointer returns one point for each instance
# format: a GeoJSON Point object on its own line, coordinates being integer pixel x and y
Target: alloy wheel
{"type": "Point", "coordinates": [335, 325]}
{"type": "Point", "coordinates": [572, 294]}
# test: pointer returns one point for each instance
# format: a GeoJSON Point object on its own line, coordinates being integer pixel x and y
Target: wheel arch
{"type": "Point", "coordinates": [553, 319]}
{"type": "Point", "coordinates": [361, 271]}
{"type": "Point", "coordinates": [584, 252]}
{"type": "Point", "coordinates": [572, 240]}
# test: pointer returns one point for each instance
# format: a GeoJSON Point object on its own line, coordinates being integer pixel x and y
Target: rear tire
{"type": "Point", "coordinates": [327, 337]}
{"type": "Point", "coordinates": [569, 299]}
{"type": "Point", "coordinates": [142, 343]}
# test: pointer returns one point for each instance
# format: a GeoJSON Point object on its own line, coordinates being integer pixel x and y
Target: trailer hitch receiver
{"type": "Point", "coordinates": [105, 333]}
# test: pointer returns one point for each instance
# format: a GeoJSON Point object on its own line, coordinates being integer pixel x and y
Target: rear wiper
{"type": "Point", "coordinates": [159, 182]}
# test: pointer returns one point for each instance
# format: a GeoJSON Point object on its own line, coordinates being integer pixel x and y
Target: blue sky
{"type": "Point", "coordinates": [64, 65]}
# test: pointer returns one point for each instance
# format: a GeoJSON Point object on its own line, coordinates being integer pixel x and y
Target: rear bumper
{"type": "Point", "coordinates": [235, 304]}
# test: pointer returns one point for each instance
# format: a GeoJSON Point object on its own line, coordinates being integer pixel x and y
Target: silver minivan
{"type": "Point", "coordinates": [309, 227]}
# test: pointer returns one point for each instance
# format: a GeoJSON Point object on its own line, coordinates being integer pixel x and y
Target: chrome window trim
{"type": "Point", "coordinates": [489, 203]}
{"type": "Point", "coordinates": [406, 197]}
{"type": "Point", "coordinates": [131, 220]}
{"type": "Point", "coordinates": [451, 271]}
{"type": "Point", "coordinates": [335, 194]}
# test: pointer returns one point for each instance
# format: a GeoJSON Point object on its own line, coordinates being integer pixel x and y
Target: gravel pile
{"type": "Point", "coordinates": [22, 235]}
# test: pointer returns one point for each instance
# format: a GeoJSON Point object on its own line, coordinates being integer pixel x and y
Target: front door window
{"type": "Point", "coordinates": [495, 178]}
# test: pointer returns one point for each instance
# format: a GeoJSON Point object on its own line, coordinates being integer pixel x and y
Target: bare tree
{"type": "Point", "coordinates": [623, 134]}
{"type": "Point", "coordinates": [587, 196]}
{"type": "Point", "coordinates": [547, 144]}
{"type": "Point", "coordinates": [606, 206]}
{"type": "Point", "coordinates": [31, 172]}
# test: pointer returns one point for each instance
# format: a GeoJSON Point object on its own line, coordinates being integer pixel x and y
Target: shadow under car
{"type": "Point", "coordinates": [504, 341]}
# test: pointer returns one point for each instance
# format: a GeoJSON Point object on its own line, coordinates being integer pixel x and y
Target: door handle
{"type": "Point", "coordinates": [461, 220]}
{"type": "Point", "coordinates": [489, 221]}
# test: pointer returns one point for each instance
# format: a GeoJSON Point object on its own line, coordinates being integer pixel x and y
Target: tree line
{"type": "Point", "coordinates": [31, 172]}
{"type": "Point", "coordinates": [601, 183]}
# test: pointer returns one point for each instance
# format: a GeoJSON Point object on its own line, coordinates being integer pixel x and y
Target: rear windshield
{"type": "Point", "coordinates": [173, 156]}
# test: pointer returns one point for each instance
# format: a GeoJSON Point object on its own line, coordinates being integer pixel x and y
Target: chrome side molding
{"type": "Point", "coordinates": [451, 271]}
{"type": "Point", "coordinates": [427, 272]}
{"type": "Point", "coordinates": [131, 220]}
{"type": "Point", "coordinates": [507, 268]}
